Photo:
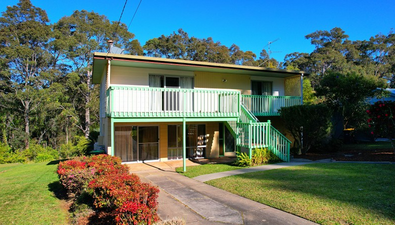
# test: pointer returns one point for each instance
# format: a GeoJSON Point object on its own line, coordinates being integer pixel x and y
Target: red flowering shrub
{"type": "Point", "coordinates": [114, 189]}
{"type": "Point", "coordinates": [382, 119]}
{"type": "Point", "coordinates": [68, 165]}
{"type": "Point", "coordinates": [106, 164]}
{"type": "Point", "coordinates": [135, 213]}
{"type": "Point", "coordinates": [76, 181]}
{"type": "Point", "coordinates": [123, 193]}
{"type": "Point", "coordinates": [110, 191]}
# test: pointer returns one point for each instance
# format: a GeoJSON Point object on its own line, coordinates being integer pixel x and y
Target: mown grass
{"type": "Point", "coordinates": [330, 193]}
{"type": "Point", "coordinates": [194, 171]}
{"type": "Point", "coordinates": [27, 195]}
{"type": "Point", "coordinates": [366, 146]}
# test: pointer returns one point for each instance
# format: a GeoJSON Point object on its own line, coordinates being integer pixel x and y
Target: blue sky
{"type": "Point", "coordinates": [248, 24]}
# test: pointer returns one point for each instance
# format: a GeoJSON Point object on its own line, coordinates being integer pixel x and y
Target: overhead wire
{"type": "Point", "coordinates": [119, 21]}
{"type": "Point", "coordinates": [134, 13]}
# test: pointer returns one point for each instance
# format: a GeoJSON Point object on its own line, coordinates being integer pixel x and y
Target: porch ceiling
{"type": "Point", "coordinates": [100, 61]}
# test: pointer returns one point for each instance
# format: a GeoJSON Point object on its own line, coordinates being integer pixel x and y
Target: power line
{"type": "Point", "coordinates": [119, 21]}
{"type": "Point", "coordinates": [135, 13]}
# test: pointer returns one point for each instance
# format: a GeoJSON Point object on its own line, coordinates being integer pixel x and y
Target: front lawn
{"type": "Point", "coordinates": [332, 193]}
{"type": "Point", "coordinates": [27, 197]}
{"type": "Point", "coordinates": [194, 171]}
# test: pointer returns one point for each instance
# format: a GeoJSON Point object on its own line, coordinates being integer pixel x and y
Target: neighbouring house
{"type": "Point", "coordinates": [156, 109]}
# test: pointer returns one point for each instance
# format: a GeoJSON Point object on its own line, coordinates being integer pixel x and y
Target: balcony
{"type": "Point", "coordinates": [267, 105]}
{"type": "Point", "coordinates": [128, 101]}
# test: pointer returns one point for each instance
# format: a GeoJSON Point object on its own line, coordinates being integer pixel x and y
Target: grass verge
{"type": "Point", "coordinates": [27, 195]}
{"type": "Point", "coordinates": [366, 146]}
{"type": "Point", "coordinates": [334, 193]}
{"type": "Point", "coordinates": [194, 171]}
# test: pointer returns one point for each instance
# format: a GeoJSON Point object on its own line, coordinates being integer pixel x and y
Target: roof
{"type": "Point", "coordinates": [100, 62]}
{"type": "Point", "coordinates": [390, 97]}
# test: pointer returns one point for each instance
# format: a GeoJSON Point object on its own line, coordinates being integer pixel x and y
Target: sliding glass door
{"type": "Point", "coordinates": [136, 143]}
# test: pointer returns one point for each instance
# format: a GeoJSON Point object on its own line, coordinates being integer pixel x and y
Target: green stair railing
{"type": "Point", "coordinates": [251, 134]}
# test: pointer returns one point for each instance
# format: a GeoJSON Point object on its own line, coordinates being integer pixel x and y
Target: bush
{"type": "Point", "coordinates": [113, 190]}
{"type": "Point", "coordinates": [263, 156]}
{"type": "Point", "coordinates": [243, 159]}
{"type": "Point", "coordinates": [75, 176]}
{"type": "Point", "coordinates": [382, 120]}
{"type": "Point", "coordinates": [259, 156]}
{"type": "Point", "coordinates": [315, 120]}
{"type": "Point", "coordinates": [44, 154]}
{"type": "Point", "coordinates": [105, 164]}
{"type": "Point", "coordinates": [7, 156]}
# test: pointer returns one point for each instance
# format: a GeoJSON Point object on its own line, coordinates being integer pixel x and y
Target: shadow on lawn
{"type": "Point", "coordinates": [59, 191]}
{"type": "Point", "coordinates": [56, 162]}
{"type": "Point", "coordinates": [368, 186]}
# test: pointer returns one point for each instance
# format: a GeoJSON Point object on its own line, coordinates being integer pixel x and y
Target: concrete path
{"type": "Point", "coordinates": [199, 203]}
{"type": "Point", "coordinates": [212, 176]}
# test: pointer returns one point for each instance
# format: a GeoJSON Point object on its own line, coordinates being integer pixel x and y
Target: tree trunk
{"type": "Point", "coordinates": [87, 101]}
{"type": "Point", "coordinates": [27, 121]}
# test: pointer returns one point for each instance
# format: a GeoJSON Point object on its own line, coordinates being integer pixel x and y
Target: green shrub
{"type": "Point", "coordinates": [259, 156]}
{"type": "Point", "coordinates": [315, 120]}
{"type": "Point", "coordinates": [38, 153]}
{"type": "Point", "coordinates": [8, 156]}
{"type": "Point", "coordinates": [262, 156]}
{"type": "Point", "coordinates": [243, 159]}
{"type": "Point", "coordinates": [78, 147]}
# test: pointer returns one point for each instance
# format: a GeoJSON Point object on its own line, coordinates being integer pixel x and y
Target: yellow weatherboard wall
{"type": "Point", "coordinates": [223, 81]}
{"type": "Point", "coordinates": [122, 75]}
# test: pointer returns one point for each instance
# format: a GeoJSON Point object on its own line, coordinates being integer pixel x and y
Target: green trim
{"type": "Point", "coordinates": [111, 152]}
{"type": "Point", "coordinates": [230, 129]}
{"type": "Point", "coordinates": [184, 145]}
{"type": "Point", "coordinates": [147, 120]}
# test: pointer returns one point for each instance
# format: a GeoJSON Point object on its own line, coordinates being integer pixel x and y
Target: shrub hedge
{"type": "Point", "coordinates": [113, 189]}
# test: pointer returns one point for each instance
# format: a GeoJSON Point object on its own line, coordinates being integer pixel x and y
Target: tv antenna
{"type": "Point", "coordinates": [269, 51]}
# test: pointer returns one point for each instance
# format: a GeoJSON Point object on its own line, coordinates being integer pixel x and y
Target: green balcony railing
{"type": "Point", "coordinates": [129, 101]}
{"type": "Point", "coordinates": [267, 105]}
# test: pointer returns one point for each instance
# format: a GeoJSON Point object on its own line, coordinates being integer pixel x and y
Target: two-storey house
{"type": "Point", "coordinates": [156, 109]}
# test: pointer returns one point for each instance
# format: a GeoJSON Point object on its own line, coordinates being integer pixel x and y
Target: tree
{"type": "Point", "coordinates": [81, 34]}
{"type": "Point", "coordinates": [345, 94]}
{"type": "Point", "coordinates": [24, 37]}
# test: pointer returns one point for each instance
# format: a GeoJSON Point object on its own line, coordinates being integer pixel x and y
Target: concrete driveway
{"type": "Point", "coordinates": [199, 203]}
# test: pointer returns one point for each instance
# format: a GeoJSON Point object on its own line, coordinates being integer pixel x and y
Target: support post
{"type": "Point", "coordinates": [112, 137]}
{"type": "Point", "coordinates": [250, 139]}
{"type": "Point", "coordinates": [184, 145]}
{"type": "Point", "coordinates": [268, 134]}
{"type": "Point", "coordinates": [301, 89]}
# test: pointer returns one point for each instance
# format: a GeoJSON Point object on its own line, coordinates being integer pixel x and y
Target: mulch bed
{"type": "Point", "coordinates": [353, 155]}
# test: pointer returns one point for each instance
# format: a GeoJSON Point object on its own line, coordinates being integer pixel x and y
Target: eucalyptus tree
{"type": "Point", "coordinates": [24, 38]}
{"type": "Point", "coordinates": [82, 34]}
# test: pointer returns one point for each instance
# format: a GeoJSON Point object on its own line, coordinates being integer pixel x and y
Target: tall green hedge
{"type": "Point", "coordinates": [315, 120]}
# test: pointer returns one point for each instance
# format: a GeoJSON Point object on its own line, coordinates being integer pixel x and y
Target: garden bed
{"type": "Point", "coordinates": [375, 151]}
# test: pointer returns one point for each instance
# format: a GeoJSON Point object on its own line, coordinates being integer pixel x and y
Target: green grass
{"type": "Point", "coordinates": [27, 197]}
{"type": "Point", "coordinates": [194, 171]}
{"type": "Point", "coordinates": [367, 146]}
{"type": "Point", "coordinates": [334, 193]}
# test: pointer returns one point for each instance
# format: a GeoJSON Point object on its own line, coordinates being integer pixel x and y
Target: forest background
{"type": "Point", "coordinates": [50, 108]}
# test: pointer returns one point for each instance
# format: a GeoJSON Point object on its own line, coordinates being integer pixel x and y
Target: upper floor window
{"type": "Point", "coordinates": [170, 81]}
{"type": "Point", "coordinates": [261, 87]}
